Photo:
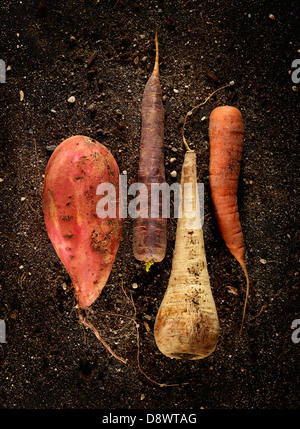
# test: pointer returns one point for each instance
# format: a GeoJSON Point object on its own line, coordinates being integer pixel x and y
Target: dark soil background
{"type": "Point", "coordinates": [49, 360]}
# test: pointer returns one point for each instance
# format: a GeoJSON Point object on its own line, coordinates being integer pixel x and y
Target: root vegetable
{"type": "Point", "coordinates": [86, 244]}
{"type": "Point", "coordinates": [149, 234]}
{"type": "Point", "coordinates": [226, 134]}
{"type": "Point", "coordinates": [186, 326]}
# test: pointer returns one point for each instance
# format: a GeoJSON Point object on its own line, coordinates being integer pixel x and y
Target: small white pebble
{"type": "Point", "coordinates": [64, 286]}
{"type": "Point", "coordinates": [174, 173]}
{"type": "Point", "coordinates": [124, 172]}
{"type": "Point", "coordinates": [172, 159]}
{"type": "Point", "coordinates": [142, 396]}
{"type": "Point", "coordinates": [262, 261]}
{"type": "Point", "coordinates": [231, 82]}
{"type": "Point", "coordinates": [203, 118]}
{"type": "Point", "coordinates": [23, 198]}
{"type": "Point", "coordinates": [175, 90]}
{"type": "Point", "coordinates": [21, 95]}
{"type": "Point", "coordinates": [271, 16]}
{"type": "Point", "coordinates": [21, 267]}
{"type": "Point", "coordinates": [71, 99]}
{"type": "Point", "coordinates": [134, 286]}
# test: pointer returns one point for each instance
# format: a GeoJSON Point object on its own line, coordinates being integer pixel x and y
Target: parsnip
{"type": "Point", "coordinates": [187, 325]}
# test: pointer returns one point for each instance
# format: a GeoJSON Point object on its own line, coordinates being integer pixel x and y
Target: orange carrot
{"type": "Point", "coordinates": [226, 134]}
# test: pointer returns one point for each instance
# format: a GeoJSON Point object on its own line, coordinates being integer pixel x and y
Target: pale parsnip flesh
{"type": "Point", "coordinates": [187, 325]}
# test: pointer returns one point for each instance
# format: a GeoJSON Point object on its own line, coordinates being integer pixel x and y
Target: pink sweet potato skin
{"type": "Point", "coordinates": [86, 244]}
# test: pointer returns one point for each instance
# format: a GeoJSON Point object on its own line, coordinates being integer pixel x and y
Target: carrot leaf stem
{"type": "Point", "coordinates": [148, 265]}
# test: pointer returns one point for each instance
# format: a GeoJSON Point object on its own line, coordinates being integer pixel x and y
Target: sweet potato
{"type": "Point", "coordinates": [85, 244]}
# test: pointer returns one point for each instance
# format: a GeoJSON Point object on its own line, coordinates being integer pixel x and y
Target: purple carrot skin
{"type": "Point", "coordinates": [149, 234]}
